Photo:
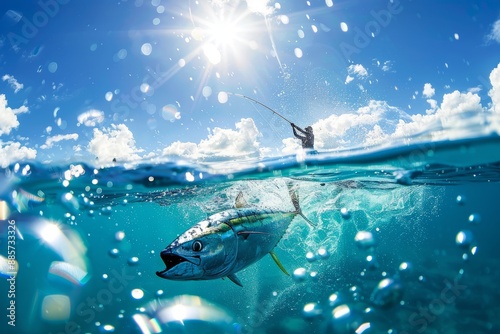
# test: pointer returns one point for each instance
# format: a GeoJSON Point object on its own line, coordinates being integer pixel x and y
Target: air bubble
{"type": "Point", "coordinates": [107, 210]}
{"type": "Point", "coordinates": [137, 293]}
{"type": "Point", "coordinates": [343, 319]}
{"type": "Point", "coordinates": [335, 299]}
{"type": "Point", "coordinates": [298, 52]}
{"type": "Point", "coordinates": [475, 218]}
{"type": "Point", "coordinates": [52, 67]}
{"type": "Point", "coordinates": [310, 257]}
{"type": "Point", "coordinates": [311, 311]}
{"type": "Point", "coordinates": [322, 253]}
{"type": "Point", "coordinates": [222, 97]}
{"type": "Point", "coordinates": [464, 239]}
{"type": "Point", "coordinates": [345, 213]}
{"type": "Point", "coordinates": [108, 96]}
{"type": "Point", "coordinates": [387, 293]}
{"type": "Point", "coordinates": [284, 19]}
{"type": "Point", "coordinates": [461, 200]}
{"type": "Point", "coordinates": [206, 91]}
{"type": "Point", "coordinates": [133, 261]}
{"type": "Point", "coordinates": [119, 236]}
{"type": "Point", "coordinates": [108, 328]}
{"type": "Point", "coordinates": [372, 262]}
{"type": "Point", "coordinates": [344, 27]}
{"type": "Point", "coordinates": [114, 252]}
{"type": "Point", "coordinates": [405, 269]}
{"type": "Point", "coordinates": [146, 49]}
{"type": "Point", "coordinates": [122, 54]}
{"type": "Point", "coordinates": [364, 240]}
{"type": "Point", "coordinates": [299, 274]}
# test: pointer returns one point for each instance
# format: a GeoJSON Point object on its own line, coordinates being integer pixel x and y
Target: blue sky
{"type": "Point", "coordinates": [136, 79]}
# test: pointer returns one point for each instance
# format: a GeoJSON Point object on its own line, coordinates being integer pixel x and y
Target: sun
{"type": "Point", "coordinates": [223, 32]}
{"type": "Point", "coordinates": [223, 39]}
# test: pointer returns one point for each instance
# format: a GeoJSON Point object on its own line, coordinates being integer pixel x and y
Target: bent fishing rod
{"type": "Point", "coordinates": [260, 103]}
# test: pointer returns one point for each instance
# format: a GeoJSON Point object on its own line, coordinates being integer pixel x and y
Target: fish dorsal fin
{"type": "Point", "coordinates": [234, 279]}
{"type": "Point", "coordinates": [240, 201]}
{"type": "Point", "coordinates": [275, 258]}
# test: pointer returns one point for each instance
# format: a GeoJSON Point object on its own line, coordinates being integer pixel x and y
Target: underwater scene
{"type": "Point", "coordinates": [395, 241]}
{"type": "Point", "coordinates": [249, 166]}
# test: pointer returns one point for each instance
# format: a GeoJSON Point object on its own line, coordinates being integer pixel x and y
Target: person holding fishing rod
{"type": "Point", "coordinates": [307, 136]}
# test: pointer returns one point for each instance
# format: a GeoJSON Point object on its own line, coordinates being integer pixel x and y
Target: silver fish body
{"type": "Point", "coordinates": [224, 244]}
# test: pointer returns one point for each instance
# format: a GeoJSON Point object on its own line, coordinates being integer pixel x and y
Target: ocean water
{"type": "Point", "coordinates": [406, 241]}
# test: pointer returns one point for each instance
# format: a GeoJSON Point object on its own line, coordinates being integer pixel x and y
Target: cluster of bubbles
{"type": "Point", "coordinates": [465, 238]}
{"type": "Point", "coordinates": [354, 311]}
{"type": "Point", "coordinates": [300, 274]}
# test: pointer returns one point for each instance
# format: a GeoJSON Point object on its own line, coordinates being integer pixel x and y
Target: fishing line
{"type": "Point", "coordinates": [262, 104]}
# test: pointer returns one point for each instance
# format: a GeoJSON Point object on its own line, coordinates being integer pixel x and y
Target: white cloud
{"type": "Point", "coordinates": [260, 6]}
{"type": "Point", "coordinates": [348, 79]}
{"type": "Point", "coordinates": [434, 106]}
{"type": "Point", "coordinates": [291, 146]}
{"type": "Point", "coordinates": [354, 128]}
{"type": "Point", "coordinates": [494, 35]}
{"type": "Point", "coordinates": [387, 66]}
{"type": "Point", "coordinates": [13, 151]}
{"type": "Point", "coordinates": [358, 70]}
{"type": "Point", "coordinates": [55, 139]}
{"type": "Point", "coordinates": [16, 86]}
{"type": "Point", "coordinates": [91, 117]}
{"type": "Point", "coordinates": [428, 91]}
{"type": "Point", "coordinates": [8, 116]}
{"type": "Point", "coordinates": [474, 90]}
{"type": "Point", "coordinates": [494, 92]}
{"type": "Point", "coordinates": [380, 123]}
{"type": "Point", "coordinates": [115, 143]}
{"type": "Point", "coordinates": [221, 144]}
{"type": "Point", "coordinates": [447, 116]}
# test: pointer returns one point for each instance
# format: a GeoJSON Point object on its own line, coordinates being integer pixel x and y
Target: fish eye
{"type": "Point", "coordinates": [197, 246]}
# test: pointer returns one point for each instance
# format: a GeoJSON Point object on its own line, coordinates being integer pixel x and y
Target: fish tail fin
{"type": "Point", "coordinates": [294, 195]}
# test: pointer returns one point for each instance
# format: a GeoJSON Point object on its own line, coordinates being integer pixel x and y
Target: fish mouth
{"type": "Point", "coordinates": [171, 260]}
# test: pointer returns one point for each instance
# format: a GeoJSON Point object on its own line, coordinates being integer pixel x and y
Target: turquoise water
{"type": "Point", "coordinates": [406, 242]}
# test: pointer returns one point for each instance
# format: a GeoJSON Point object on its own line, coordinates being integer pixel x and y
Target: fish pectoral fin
{"type": "Point", "coordinates": [240, 201]}
{"type": "Point", "coordinates": [235, 279]}
{"type": "Point", "coordinates": [275, 258]}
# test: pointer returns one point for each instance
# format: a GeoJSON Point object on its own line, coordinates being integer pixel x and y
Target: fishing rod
{"type": "Point", "coordinates": [262, 104]}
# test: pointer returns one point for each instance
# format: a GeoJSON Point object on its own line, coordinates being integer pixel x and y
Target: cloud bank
{"type": "Point", "coordinates": [13, 151]}
{"type": "Point", "coordinates": [221, 144]}
{"type": "Point", "coordinates": [114, 144]}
